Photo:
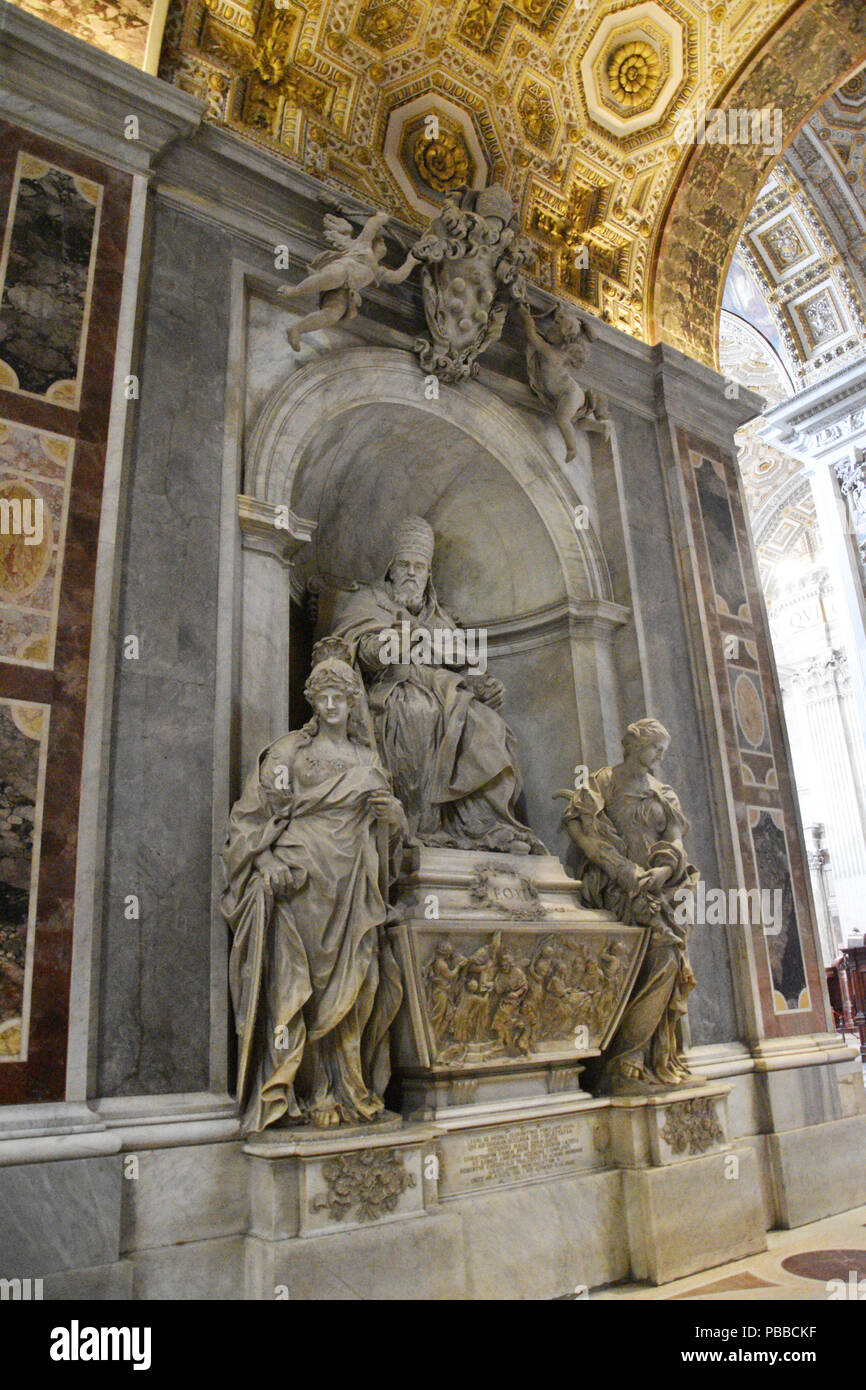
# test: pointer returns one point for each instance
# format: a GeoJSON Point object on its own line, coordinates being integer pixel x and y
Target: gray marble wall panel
{"type": "Point", "coordinates": [672, 695]}
{"type": "Point", "coordinates": [56, 1216]}
{"type": "Point", "coordinates": [192, 1193]}
{"type": "Point", "coordinates": [154, 996]}
{"type": "Point", "coordinates": [539, 709]}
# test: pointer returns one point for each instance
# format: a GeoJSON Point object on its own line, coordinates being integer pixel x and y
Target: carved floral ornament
{"type": "Point", "coordinates": [365, 1185]}
{"type": "Point", "coordinates": [537, 115]}
{"type": "Point", "coordinates": [851, 473]}
{"type": "Point", "coordinates": [442, 162]}
{"type": "Point", "coordinates": [508, 891]}
{"type": "Point", "coordinates": [634, 73]}
{"type": "Point", "coordinates": [822, 674]}
{"type": "Point", "coordinates": [692, 1126]}
{"type": "Point", "coordinates": [384, 24]}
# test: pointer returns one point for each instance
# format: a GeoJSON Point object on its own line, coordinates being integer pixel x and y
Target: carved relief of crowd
{"type": "Point", "coordinates": [512, 997]}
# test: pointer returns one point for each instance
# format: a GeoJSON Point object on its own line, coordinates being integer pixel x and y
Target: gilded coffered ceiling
{"type": "Point", "coordinates": [803, 244]}
{"type": "Point", "coordinates": [803, 277]}
{"type": "Point", "coordinates": [795, 304]}
{"type": "Point", "coordinates": [573, 104]}
{"type": "Point", "coordinates": [819, 44]}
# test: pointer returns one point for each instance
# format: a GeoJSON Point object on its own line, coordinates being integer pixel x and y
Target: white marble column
{"type": "Point", "coordinates": [825, 426]}
{"type": "Point", "coordinates": [840, 549]}
{"type": "Point", "coordinates": [832, 763]}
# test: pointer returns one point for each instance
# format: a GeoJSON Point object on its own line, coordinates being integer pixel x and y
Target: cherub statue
{"type": "Point", "coordinates": [338, 276]}
{"type": "Point", "coordinates": [551, 364]}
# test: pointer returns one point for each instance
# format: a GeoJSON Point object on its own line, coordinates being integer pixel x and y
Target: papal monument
{"type": "Point", "coordinates": [432, 625]}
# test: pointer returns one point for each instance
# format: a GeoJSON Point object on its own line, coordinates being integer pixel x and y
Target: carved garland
{"type": "Point", "coordinates": [488, 885]}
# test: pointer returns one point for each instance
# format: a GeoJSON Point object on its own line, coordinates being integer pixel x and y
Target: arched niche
{"type": "Point", "coordinates": [350, 444]}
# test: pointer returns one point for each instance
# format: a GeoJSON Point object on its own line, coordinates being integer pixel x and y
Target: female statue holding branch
{"type": "Point", "coordinates": [629, 828]}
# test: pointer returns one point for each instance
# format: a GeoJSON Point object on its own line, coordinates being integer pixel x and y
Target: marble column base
{"type": "Point", "coordinates": [692, 1199]}
{"type": "Point", "coordinates": [818, 1170]}
{"type": "Point", "coordinates": [529, 1197]}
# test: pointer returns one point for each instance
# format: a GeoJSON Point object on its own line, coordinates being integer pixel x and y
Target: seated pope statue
{"type": "Point", "coordinates": [450, 755]}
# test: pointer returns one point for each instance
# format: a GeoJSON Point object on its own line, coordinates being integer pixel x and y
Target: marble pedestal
{"type": "Point", "coordinates": [310, 1183]}
{"type": "Point", "coordinates": [490, 1203]}
{"type": "Point", "coordinates": [692, 1198]}
{"type": "Point", "coordinates": [534, 984]}
{"type": "Point", "coordinates": [526, 1198]}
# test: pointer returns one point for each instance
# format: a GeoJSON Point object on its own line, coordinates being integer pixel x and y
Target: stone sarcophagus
{"type": "Point", "coordinates": [509, 984]}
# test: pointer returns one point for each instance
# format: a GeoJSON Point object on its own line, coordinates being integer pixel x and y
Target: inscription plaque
{"type": "Point", "coordinates": [515, 1153]}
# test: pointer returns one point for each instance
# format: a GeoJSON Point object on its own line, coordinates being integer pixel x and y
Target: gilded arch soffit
{"type": "Point", "coordinates": [776, 488]}
{"type": "Point", "coordinates": [799, 277]}
{"type": "Point", "coordinates": [816, 48]}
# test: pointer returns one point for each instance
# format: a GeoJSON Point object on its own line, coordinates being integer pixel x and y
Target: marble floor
{"type": "Point", "coordinates": [799, 1265]}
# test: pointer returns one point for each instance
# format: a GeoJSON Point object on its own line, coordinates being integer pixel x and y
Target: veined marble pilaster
{"type": "Point", "coordinates": [780, 981]}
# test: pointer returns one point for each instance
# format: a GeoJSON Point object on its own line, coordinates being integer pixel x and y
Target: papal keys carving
{"type": "Point", "coordinates": [472, 256]}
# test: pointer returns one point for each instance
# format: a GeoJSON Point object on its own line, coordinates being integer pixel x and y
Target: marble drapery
{"type": "Point", "coordinates": [311, 967]}
{"type": "Point", "coordinates": [451, 757]}
{"type": "Point", "coordinates": [633, 864]}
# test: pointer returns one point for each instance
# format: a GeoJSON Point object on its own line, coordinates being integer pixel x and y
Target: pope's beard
{"type": "Point", "coordinates": [408, 593]}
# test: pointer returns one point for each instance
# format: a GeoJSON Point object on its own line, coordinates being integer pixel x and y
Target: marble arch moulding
{"type": "Point", "coordinates": [343, 381]}
{"type": "Point", "coordinates": [804, 62]}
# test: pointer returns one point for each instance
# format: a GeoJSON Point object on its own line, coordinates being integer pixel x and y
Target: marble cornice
{"type": "Point", "coordinates": [693, 395]}
{"type": "Point", "coordinates": [251, 193]}
{"type": "Point", "coordinates": [260, 531]}
{"type": "Point", "coordinates": [598, 618]}
{"type": "Point", "coordinates": [795, 423]}
{"type": "Point", "coordinates": [67, 90]}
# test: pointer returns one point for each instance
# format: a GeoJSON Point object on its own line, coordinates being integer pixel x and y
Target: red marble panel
{"type": "Point", "coordinates": [745, 764]}
{"type": "Point", "coordinates": [64, 689]}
